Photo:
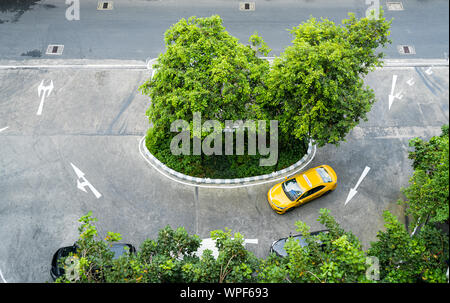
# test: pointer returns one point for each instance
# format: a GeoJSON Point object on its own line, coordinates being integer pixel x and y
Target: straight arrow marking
{"type": "Point", "coordinates": [353, 191]}
{"type": "Point", "coordinates": [43, 91]}
{"type": "Point", "coordinates": [391, 95]}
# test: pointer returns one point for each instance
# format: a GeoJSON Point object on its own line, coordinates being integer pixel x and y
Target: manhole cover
{"type": "Point", "coordinates": [54, 49]}
{"type": "Point", "coordinates": [246, 6]}
{"type": "Point", "coordinates": [394, 6]}
{"type": "Point", "coordinates": [105, 5]}
{"type": "Point", "coordinates": [406, 50]}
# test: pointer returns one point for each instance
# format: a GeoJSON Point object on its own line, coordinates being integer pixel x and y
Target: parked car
{"type": "Point", "coordinates": [302, 188]}
{"type": "Point", "coordinates": [277, 247]}
{"type": "Point", "coordinates": [57, 270]}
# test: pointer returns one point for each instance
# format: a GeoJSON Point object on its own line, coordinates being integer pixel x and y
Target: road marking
{"type": "Point", "coordinates": [82, 185]}
{"type": "Point", "coordinates": [391, 95]}
{"type": "Point", "coordinates": [353, 191]}
{"type": "Point", "coordinates": [1, 276]}
{"type": "Point", "coordinates": [80, 66]}
{"type": "Point", "coordinates": [210, 244]}
{"type": "Point", "coordinates": [43, 91]}
{"type": "Point", "coordinates": [4, 128]}
{"type": "Point", "coordinates": [399, 63]}
{"type": "Point", "coordinates": [429, 71]}
{"type": "Point", "coordinates": [250, 241]}
{"type": "Point", "coordinates": [410, 82]}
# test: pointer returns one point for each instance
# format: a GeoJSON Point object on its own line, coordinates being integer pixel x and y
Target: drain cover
{"type": "Point", "coordinates": [406, 50]}
{"type": "Point", "coordinates": [246, 6]}
{"type": "Point", "coordinates": [105, 5]}
{"type": "Point", "coordinates": [54, 49]}
{"type": "Point", "coordinates": [394, 6]}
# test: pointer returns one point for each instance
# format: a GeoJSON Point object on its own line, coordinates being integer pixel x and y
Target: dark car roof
{"type": "Point", "coordinates": [278, 246]}
{"type": "Point", "coordinates": [117, 248]}
{"type": "Point", "coordinates": [120, 248]}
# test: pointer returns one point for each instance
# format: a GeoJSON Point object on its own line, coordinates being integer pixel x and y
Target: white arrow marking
{"type": "Point", "coordinates": [43, 91]}
{"type": "Point", "coordinates": [4, 128]}
{"type": "Point", "coordinates": [82, 185]}
{"type": "Point", "coordinates": [3, 278]}
{"type": "Point", "coordinates": [391, 96]}
{"type": "Point", "coordinates": [353, 191]}
{"type": "Point", "coordinates": [410, 82]}
{"type": "Point", "coordinates": [210, 244]}
{"type": "Point", "coordinates": [250, 241]}
{"type": "Point", "coordinates": [429, 71]}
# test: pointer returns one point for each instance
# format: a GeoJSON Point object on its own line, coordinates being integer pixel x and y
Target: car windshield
{"type": "Point", "coordinates": [279, 245]}
{"type": "Point", "coordinates": [291, 189]}
{"type": "Point", "coordinates": [323, 174]}
{"type": "Point", "coordinates": [118, 250]}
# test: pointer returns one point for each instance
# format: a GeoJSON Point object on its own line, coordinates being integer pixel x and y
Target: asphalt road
{"type": "Point", "coordinates": [134, 28]}
{"type": "Point", "coordinates": [94, 119]}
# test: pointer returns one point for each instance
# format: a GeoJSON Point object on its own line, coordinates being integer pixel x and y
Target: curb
{"type": "Point", "coordinates": [72, 64]}
{"type": "Point", "coordinates": [415, 62]}
{"type": "Point", "coordinates": [140, 65]}
{"type": "Point", "coordinates": [225, 183]}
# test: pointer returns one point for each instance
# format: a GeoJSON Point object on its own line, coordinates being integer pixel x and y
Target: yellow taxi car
{"type": "Point", "coordinates": [302, 188]}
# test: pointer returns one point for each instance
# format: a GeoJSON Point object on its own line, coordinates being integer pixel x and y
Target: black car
{"type": "Point", "coordinates": [57, 271]}
{"type": "Point", "coordinates": [277, 247]}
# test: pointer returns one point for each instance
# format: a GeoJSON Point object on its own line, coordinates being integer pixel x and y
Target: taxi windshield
{"type": "Point", "coordinates": [292, 189]}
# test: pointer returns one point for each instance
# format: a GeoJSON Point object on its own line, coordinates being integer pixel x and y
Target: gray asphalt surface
{"type": "Point", "coordinates": [134, 28]}
{"type": "Point", "coordinates": [94, 118]}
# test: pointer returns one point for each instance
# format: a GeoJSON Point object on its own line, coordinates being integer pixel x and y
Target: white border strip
{"type": "Point", "coordinates": [223, 186]}
{"type": "Point", "coordinates": [149, 62]}
{"type": "Point", "coordinates": [81, 66]}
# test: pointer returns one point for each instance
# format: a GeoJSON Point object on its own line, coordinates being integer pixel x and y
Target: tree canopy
{"type": "Point", "coordinates": [335, 256]}
{"type": "Point", "coordinates": [428, 191]}
{"type": "Point", "coordinates": [314, 89]}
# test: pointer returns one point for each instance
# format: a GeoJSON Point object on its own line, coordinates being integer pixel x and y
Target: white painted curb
{"type": "Point", "coordinates": [224, 183]}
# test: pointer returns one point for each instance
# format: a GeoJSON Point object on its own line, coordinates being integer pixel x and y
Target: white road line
{"type": "Point", "coordinates": [221, 187]}
{"type": "Point", "coordinates": [1, 276]}
{"type": "Point", "coordinates": [4, 128]}
{"type": "Point", "coordinates": [353, 191]}
{"type": "Point", "coordinates": [391, 95]}
{"type": "Point", "coordinates": [210, 244]}
{"type": "Point", "coordinates": [386, 63]}
{"type": "Point", "coordinates": [250, 241]}
{"type": "Point", "coordinates": [81, 66]}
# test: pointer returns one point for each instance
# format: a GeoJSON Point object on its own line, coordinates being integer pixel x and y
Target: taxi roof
{"type": "Point", "coordinates": [309, 179]}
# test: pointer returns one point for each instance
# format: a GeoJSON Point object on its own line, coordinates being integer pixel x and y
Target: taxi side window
{"type": "Point", "coordinates": [313, 191]}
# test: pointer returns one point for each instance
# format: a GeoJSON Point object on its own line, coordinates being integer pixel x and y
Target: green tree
{"type": "Point", "coordinates": [206, 70]}
{"type": "Point", "coordinates": [315, 87]}
{"type": "Point", "coordinates": [171, 258]}
{"type": "Point", "coordinates": [428, 191]}
{"type": "Point", "coordinates": [333, 257]}
{"type": "Point", "coordinates": [410, 259]}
